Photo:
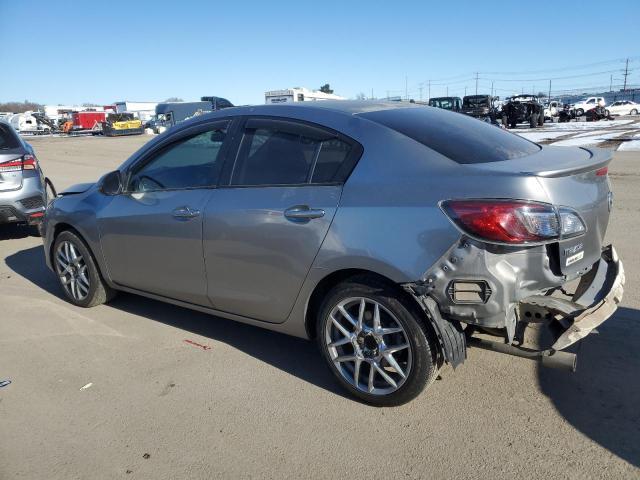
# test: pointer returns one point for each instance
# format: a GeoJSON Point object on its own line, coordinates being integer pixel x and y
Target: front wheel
{"type": "Point", "coordinates": [375, 342]}
{"type": "Point", "coordinates": [579, 112]}
{"type": "Point", "coordinates": [78, 273]}
{"type": "Point", "coordinates": [634, 112]}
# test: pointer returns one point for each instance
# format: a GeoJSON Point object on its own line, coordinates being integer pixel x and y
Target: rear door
{"type": "Point", "coordinates": [264, 227]}
{"type": "Point", "coordinates": [151, 235]}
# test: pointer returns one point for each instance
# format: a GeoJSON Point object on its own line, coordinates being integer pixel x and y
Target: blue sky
{"type": "Point", "coordinates": [75, 52]}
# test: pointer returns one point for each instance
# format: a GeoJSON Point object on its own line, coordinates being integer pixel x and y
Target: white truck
{"type": "Point", "coordinates": [587, 104]}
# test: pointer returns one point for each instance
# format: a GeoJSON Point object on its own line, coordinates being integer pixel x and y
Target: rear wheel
{"type": "Point", "coordinates": [634, 112]}
{"type": "Point", "coordinates": [78, 273]}
{"type": "Point", "coordinates": [533, 120]}
{"type": "Point", "coordinates": [375, 343]}
{"type": "Point", "coordinates": [541, 119]}
{"type": "Point", "coordinates": [579, 112]}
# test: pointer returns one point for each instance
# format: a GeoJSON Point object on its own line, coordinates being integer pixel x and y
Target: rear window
{"type": "Point", "coordinates": [8, 139]}
{"type": "Point", "coordinates": [456, 136]}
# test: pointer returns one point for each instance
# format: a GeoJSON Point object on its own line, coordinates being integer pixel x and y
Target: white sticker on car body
{"type": "Point", "coordinates": [574, 258]}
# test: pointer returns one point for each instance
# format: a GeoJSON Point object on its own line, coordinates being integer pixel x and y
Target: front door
{"type": "Point", "coordinates": [151, 234]}
{"type": "Point", "coordinates": [263, 229]}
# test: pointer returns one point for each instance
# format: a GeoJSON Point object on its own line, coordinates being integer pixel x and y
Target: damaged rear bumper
{"type": "Point", "coordinates": [596, 299]}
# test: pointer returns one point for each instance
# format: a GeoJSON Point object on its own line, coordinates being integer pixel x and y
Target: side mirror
{"type": "Point", "coordinates": [111, 183]}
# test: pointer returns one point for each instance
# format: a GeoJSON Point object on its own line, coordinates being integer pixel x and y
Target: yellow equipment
{"type": "Point", "coordinates": [118, 124]}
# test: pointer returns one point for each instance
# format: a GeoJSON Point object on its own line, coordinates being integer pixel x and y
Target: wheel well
{"type": "Point", "coordinates": [333, 279]}
{"type": "Point", "coordinates": [62, 227]}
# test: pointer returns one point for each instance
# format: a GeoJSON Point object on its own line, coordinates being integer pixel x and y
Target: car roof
{"type": "Point", "coordinates": [348, 107]}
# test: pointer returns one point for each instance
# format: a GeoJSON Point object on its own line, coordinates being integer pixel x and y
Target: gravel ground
{"type": "Point", "coordinates": [116, 392]}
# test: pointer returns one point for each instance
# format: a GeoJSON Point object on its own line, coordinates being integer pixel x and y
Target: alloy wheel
{"type": "Point", "coordinates": [72, 270]}
{"type": "Point", "coordinates": [368, 346]}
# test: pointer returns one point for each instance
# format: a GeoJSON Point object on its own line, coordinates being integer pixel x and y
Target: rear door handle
{"type": "Point", "coordinates": [185, 212]}
{"type": "Point", "coordinates": [303, 212]}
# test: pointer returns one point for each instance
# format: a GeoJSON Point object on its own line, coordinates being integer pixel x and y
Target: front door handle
{"type": "Point", "coordinates": [185, 212]}
{"type": "Point", "coordinates": [303, 212]}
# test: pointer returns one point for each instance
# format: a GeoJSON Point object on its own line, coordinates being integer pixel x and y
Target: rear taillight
{"type": "Point", "coordinates": [29, 162]}
{"type": "Point", "coordinates": [601, 172]}
{"type": "Point", "coordinates": [514, 222]}
{"type": "Point", "coordinates": [26, 162]}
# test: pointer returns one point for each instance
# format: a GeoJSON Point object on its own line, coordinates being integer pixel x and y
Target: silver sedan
{"type": "Point", "coordinates": [394, 235]}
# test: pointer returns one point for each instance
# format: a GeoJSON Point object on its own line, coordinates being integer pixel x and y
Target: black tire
{"type": "Point", "coordinates": [423, 349]}
{"type": "Point", "coordinates": [633, 112]}
{"type": "Point", "coordinates": [541, 119]}
{"type": "Point", "coordinates": [533, 120]}
{"type": "Point", "coordinates": [579, 112]}
{"type": "Point", "coordinates": [505, 121]}
{"type": "Point", "coordinates": [98, 291]}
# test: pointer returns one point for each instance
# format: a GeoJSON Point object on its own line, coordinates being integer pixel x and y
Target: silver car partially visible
{"type": "Point", "coordinates": [394, 235]}
{"type": "Point", "coordinates": [22, 190]}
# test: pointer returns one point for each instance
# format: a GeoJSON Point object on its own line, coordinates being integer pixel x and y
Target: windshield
{"type": "Point", "coordinates": [8, 139]}
{"type": "Point", "coordinates": [446, 103]}
{"type": "Point", "coordinates": [476, 101]}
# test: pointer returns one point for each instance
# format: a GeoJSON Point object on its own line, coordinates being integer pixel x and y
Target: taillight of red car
{"type": "Point", "coordinates": [515, 222]}
{"type": "Point", "coordinates": [26, 162]}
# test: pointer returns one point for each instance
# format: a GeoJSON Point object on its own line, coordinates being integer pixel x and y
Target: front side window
{"type": "Point", "coordinates": [191, 162]}
{"type": "Point", "coordinates": [277, 155]}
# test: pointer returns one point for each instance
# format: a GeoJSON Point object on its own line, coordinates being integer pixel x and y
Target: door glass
{"type": "Point", "coordinates": [189, 163]}
{"type": "Point", "coordinates": [329, 160]}
{"type": "Point", "coordinates": [271, 156]}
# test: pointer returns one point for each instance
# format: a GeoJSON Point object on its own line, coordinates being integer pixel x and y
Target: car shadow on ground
{"type": "Point", "coordinates": [602, 398]}
{"type": "Point", "coordinates": [12, 231]}
{"type": "Point", "coordinates": [293, 355]}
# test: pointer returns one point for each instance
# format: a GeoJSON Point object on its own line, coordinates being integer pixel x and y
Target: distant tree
{"type": "Point", "coordinates": [542, 95]}
{"type": "Point", "coordinates": [18, 107]}
{"type": "Point", "coordinates": [361, 96]}
{"type": "Point", "coordinates": [174, 99]}
{"type": "Point", "coordinates": [326, 88]}
{"type": "Point", "coordinates": [89, 104]}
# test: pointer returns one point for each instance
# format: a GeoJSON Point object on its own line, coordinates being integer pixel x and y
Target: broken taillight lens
{"type": "Point", "coordinates": [513, 221]}
{"type": "Point", "coordinates": [26, 162]}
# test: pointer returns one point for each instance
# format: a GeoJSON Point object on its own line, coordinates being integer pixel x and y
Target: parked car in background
{"type": "Point", "coordinates": [482, 107]}
{"type": "Point", "coordinates": [552, 109]}
{"type": "Point", "coordinates": [453, 104]}
{"type": "Point", "coordinates": [22, 183]}
{"type": "Point", "coordinates": [588, 104]}
{"type": "Point", "coordinates": [624, 107]}
{"type": "Point", "coordinates": [391, 233]}
{"type": "Point", "coordinates": [523, 109]}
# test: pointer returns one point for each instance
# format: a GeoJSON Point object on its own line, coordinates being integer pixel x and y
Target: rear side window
{"type": "Point", "coordinates": [8, 139]}
{"type": "Point", "coordinates": [456, 136]}
{"type": "Point", "coordinates": [276, 152]}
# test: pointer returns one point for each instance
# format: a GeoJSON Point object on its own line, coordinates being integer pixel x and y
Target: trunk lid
{"type": "Point", "coordinates": [10, 180]}
{"type": "Point", "coordinates": [569, 178]}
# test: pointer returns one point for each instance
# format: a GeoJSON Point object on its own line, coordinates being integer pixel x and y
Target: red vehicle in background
{"type": "Point", "coordinates": [87, 120]}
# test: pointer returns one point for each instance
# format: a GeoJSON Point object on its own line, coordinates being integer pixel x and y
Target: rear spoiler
{"type": "Point", "coordinates": [598, 158]}
{"type": "Point", "coordinates": [551, 161]}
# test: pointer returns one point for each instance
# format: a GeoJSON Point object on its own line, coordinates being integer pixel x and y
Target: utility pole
{"type": "Point", "coordinates": [549, 97]}
{"type": "Point", "coordinates": [406, 87]}
{"type": "Point", "coordinates": [420, 89]}
{"type": "Point", "coordinates": [465, 91]}
{"type": "Point", "coordinates": [492, 88]}
{"type": "Point", "coordinates": [626, 73]}
{"type": "Point", "coordinates": [372, 94]}
{"type": "Point", "coordinates": [611, 83]}
{"type": "Point", "coordinates": [476, 83]}
{"type": "Point", "coordinates": [429, 91]}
